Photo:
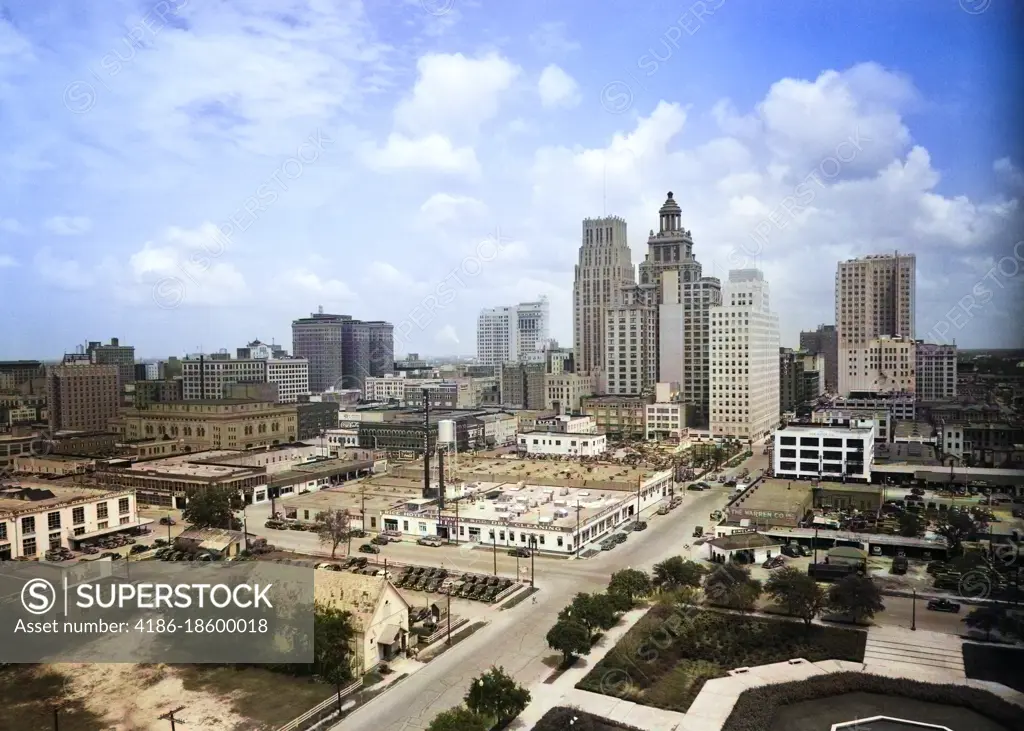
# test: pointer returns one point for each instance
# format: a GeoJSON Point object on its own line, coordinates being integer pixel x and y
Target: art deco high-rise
{"type": "Point", "coordinates": [82, 396]}
{"type": "Point", "coordinates": [342, 351]}
{"type": "Point", "coordinates": [744, 359]}
{"type": "Point", "coordinates": [875, 324]}
{"type": "Point", "coordinates": [684, 298]}
{"type": "Point", "coordinates": [604, 269]}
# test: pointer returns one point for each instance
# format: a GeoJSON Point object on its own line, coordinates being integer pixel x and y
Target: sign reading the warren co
{"type": "Point", "coordinates": [743, 513]}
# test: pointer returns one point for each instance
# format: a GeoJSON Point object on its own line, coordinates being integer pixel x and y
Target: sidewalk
{"type": "Point", "coordinates": [564, 693]}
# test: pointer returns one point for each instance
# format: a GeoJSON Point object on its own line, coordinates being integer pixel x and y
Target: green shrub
{"type": "Point", "coordinates": [755, 709]}
{"type": "Point", "coordinates": [562, 718]}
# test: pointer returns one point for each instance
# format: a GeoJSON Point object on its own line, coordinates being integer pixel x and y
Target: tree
{"type": "Point", "coordinates": [911, 525]}
{"type": "Point", "coordinates": [332, 528]}
{"type": "Point", "coordinates": [570, 637]}
{"type": "Point", "coordinates": [731, 585]}
{"type": "Point", "coordinates": [629, 584]}
{"type": "Point", "coordinates": [987, 618]}
{"type": "Point", "coordinates": [956, 526]}
{"type": "Point", "coordinates": [497, 696]}
{"type": "Point", "coordinates": [459, 718]}
{"type": "Point", "coordinates": [213, 507]}
{"type": "Point", "coordinates": [797, 592]}
{"type": "Point", "coordinates": [593, 611]}
{"type": "Point", "coordinates": [674, 573]}
{"type": "Point", "coordinates": [332, 637]}
{"type": "Point", "coordinates": [857, 596]}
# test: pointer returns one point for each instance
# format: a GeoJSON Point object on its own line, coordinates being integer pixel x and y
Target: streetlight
{"type": "Point", "coordinates": [913, 611]}
{"type": "Point", "coordinates": [533, 552]}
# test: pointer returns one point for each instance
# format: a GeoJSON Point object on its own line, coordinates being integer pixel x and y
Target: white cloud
{"type": "Point", "coordinates": [550, 39]}
{"type": "Point", "coordinates": [455, 95]}
{"type": "Point", "coordinates": [62, 272]}
{"type": "Point", "coordinates": [444, 208]}
{"type": "Point", "coordinates": [433, 153]}
{"type": "Point", "coordinates": [7, 261]}
{"type": "Point", "coordinates": [12, 226]}
{"type": "Point", "coordinates": [325, 290]}
{"type": "Point", "coordinates": [557, 88]}
{"type": "Point", "coordinates": [1012, 174]}
{"type": "Point", "coordinates": [446, 336]}
{"type": "Point", "coordinates": [68, 225]}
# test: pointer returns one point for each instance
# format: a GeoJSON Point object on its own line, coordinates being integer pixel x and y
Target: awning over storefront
{"type": "Point", "coordinates": [113, 529]}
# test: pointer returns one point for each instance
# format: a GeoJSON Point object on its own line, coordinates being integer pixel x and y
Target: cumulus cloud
{"type": "Point", "coordinates": [557, 88]}
{"type": "Point", "coordinates": [68, 225]}
{"type": "Point", "coordinates": [431, 153]}
{"type": "Point", "coordinates": [11, 226]}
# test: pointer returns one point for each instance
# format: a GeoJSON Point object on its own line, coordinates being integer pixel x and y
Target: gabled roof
{"type": "Point", "coordinates": [354, 593]}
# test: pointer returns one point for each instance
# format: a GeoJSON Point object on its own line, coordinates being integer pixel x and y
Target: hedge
{"type": "Point", "coordinates": [559, 718]}
{"type": "Point", "coordinates": [756, 708]}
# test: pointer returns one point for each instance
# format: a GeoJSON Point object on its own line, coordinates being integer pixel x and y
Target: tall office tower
{"type": "Point", "coordinates": [744, 359]}
{"type": "Point", "coordinates": [631, 363]}
{"type": "Point", "coordinates": [801, 378]}
{"type": "Point", "coordinates": [825, 342]}
{"type": "Point", "coordinates": [369, 347]}
{"type": "Point", "coordinates": [512, 334]}
{"type": "Point", "coordinates": [604, 268]}
{"type": "Point", "coordinates": [874, 315]}
{"type": "Point", "coordinates": [82, 396]}
{"type": "Point", "coordinates": [936, 372]}
{"type": "Point", "coordinates": [684, 299]}
{"type": "Point", "coordinates": [123, 356]}
{"type": "Point", "coordinates": [318, 339]}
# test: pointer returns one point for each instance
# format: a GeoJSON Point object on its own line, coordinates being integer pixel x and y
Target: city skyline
{"type": "Point", "coordinates": [487, 138]}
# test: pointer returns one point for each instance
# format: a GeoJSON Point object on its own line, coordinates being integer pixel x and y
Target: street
{"type": "Point", "coordinates": [515, 639]}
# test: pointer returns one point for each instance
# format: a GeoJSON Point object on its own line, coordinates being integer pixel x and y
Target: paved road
{"type": "Point", "coordinates": [514, 639]}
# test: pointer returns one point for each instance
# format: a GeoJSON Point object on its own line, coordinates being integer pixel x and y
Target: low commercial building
{"type": "Point", "coordinates": [499, 429]}
{"type": "Point", "coordinates": [784, 503]}
{"type": "Point", "coordinates": [901, 405]}
{"type": "Point", "coordinates": [620, 417]}
{"type": "Point", "coordinates": [844, 417]}
{"type": "Point", "coordinates": [914, 432]}
{"type": "Point", "coordinates": [214, 424]}
{"type": "Point", "coordinates": [747, 546]}
{"type": "Point", "coordinates": [812, 451]}
{"type": "Point", "coordinates": [566, 391]}
{"type": "Point", "coordinates": [665, 421]}
{"type": "Point", "coordinates": [53, 464]}
{"type": "Point", "coordinates": [40, 515]}
{"type": "Point", "coordinates": [568, 445]}
{"type": "Point", "coordinates": [566, 424]}
{"type": "Point", "coordinates": [379, 614]}
{"type": "Point", "coordinates": [225, 543]}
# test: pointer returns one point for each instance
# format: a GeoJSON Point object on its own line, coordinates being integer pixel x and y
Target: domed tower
{"type": "Point", "coordinates": [671, 215]}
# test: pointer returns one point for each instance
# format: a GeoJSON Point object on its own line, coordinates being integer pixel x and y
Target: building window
{"type": "Point", "coordinates": [77, 516]}
{"type": "Point", "coordinates": [405, 526]}
{"type": "Point", "coordinates": [373, 522]}
{"type": "Point", "coordinates": [101, 510]}
{"type": "Point", "coordinates": [3, 531]}
{"type": "Point", "coordinates": [53, 520]}
{"type": "Point", "coordinates": [101, 525]}
{"type": "Point", "coordinates": [28, 527]}
{"type": "Point", "coordinates": [122, 505]}
{"type": "Point", "coordinates": [125, 520]}
{"type": "Point", "coordinates": [28, 547]}
{"type": "Point", "coordinates": [80, 531]}
{"type": "Point", "coordinates": [54, 540]}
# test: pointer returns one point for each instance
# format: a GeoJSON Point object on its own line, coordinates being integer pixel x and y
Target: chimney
{"type": "Point", "coordinates": [440, 480]}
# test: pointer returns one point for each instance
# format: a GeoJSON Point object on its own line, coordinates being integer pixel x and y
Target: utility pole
{"type": "Point", "coordinates": [457, 521]}
{"type": "Point", "coordinates": [533, 552]}
{"type": "Point", "coordinates": [639, 481]}
{"type": "Point", "coordinates": [56, 718]}
{"type": "Point", "coordinates": [577, 529]}
{"type": "Point", "coordinates": [169, 716]}
{"type": "Point", "coordinates": [494, 551]}
{"type": "Point", "coordinates": [449, 615]}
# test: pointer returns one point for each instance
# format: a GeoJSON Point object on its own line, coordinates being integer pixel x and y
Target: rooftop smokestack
{"type": "Point", "coordinates": [426, 444]}
{"type": "Point", "coordinates": [440, 479]}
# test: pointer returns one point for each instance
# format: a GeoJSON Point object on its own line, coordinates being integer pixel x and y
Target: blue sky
{"type": "Point", "coordinates": [387, 150]}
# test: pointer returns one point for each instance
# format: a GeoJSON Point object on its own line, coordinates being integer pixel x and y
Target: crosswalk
{"type": "Point", "coordinates": [932, 653]}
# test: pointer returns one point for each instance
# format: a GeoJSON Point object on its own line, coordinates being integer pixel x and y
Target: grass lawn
{"type": "Point", "coordinates": [27, 696]}
{"type": "Point", "coordinates": [664, 660]}
{"type": "Point", "coordinates": [999, 664]}
{"type": "Point", "coordinates": [270, 699]}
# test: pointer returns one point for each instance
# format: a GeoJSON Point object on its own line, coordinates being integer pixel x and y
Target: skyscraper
{"type": "Point", "coordinates": [604, 269]}
{"type": "Point", "coordinates": [508, 334]}
{"type": "Point", "coordinates": [875, 322]}
{"type": "Point", "coordinates": [342, 351]}
{"type": "Point", "coordinates": [123, 356]}
{"type": "Point", "coordinates": [82, 396]}
{"type": "Point", "coordinates": [631, 342]}
{"type": "Point", "coordinates": [684, 298]}
{"type": "Point", "coordinates": [744, 359]}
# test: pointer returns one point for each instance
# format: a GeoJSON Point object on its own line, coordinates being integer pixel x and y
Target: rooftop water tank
{"type": "Point", "coordinates": [446, 432]}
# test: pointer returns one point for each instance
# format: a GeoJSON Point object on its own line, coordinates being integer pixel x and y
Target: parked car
{"type": "Point", "coordinates": [167, 521]}
{"type": "Point", "coordinates": [620, 537]}
{"type": "Point", "coordinates": [328, 567]}
{"type": "Point", "coordinates": [943, 605]}
{"type": "Point", "coordinates": [357, 533]}
{"type": "Point", "coordinates": [663, 510]}
{"type": "Point", "coordinates": [379, 540]}
{"type": "Point", "coordinates": [368, 548]}
{"type": "Point", "coordinates": [730, 483]}
{"type": "Point", "coordinates": [629, 527]}
{"type": "Point", "coordinates": [698, 531]}
{"type": "Point", "coordinates": [608, 544]}
{"type": "Point", "coordinates": [519, 552]}
{"type": "Point", "coordinates": [876, 550]}
{"type": "Point", "coordinates": [431, 541]}
{"type": "Point", "coordinates": [694, 487]}
{"type": "Point", "coordinates": [791, 550]}
{"type": "Point", "coordinates": [700, 541]}
{"type": "Point", "coordinates": [640, 525]}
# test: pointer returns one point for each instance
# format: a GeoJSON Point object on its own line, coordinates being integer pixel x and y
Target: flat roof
{"type": "Point", "coordinates": [779, 494]}
{"type": "Point", "coordinates": [515, 469]}
{"type": "Point", "coordinates": [321, 468]}
{"type": "Point", "coordinates": [536, 505]}
{"type": "Point", "coordinates": [906, 453]}
{"type": "Point", "coordinates": [561, 434]}
{"type": "Point", "coordinates": [906, 429]}
{"type": "Point", "coordinates": [62, 493]}
{"type": "Point", "coordinates": [187, 465]}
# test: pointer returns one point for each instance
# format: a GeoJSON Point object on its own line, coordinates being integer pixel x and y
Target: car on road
{"type": "Point", "coordinates": [730, 483]}
{"type": "Point", "coordinates": [328, 567]}
{"type": "Point", "coordinates": [519, 552]}
{"type": "Point", "coordinates": [379, 540]}
{"type": "Point", "coordinates": [663, 510]}
{"type": "Point", "coordinates": [700, 541]}
{"type": "Point", "coordinates": [698, 531]}
{"type": "Point", "coordinates": [357, 533]}
{"type": "Point", "coordinates": [943, 605]}
{"type": "Point", "coordinates": [167, 521]}
{"type": "Point", "coordinates": [620, 537]}
{"type": "Point", "coordinates": [368, 548]}
{"type": "Point", "coordinates": [695, 487]}
{"type": "Point", "coordinates": [432, 541]}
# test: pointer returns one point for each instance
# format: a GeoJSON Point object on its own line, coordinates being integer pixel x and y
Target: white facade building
{"type": "Point", "coordinates": [875, 298]}
{"type": "Point", "coordinates": [568, 445]}
{"type": "Point", "coordinates": [566, 391]}
{"type": "Point", "coordinates": [31, 523]}
{"type": "Point", "coordinates": [744, 359]}
{"type": "Point", "coordinates": [512, 334]}
{"type": "Point", "coordinates": [499, 429]}
{"type": "Point", "coordinates": [385, 388]}
{"type": "Point", "coordinates": [665, 420]}
{"type": "Point", "coordinates": [831, 453]}
{"type": "Point", "coordinates": [936, 372]}
{"type": "Point", "coordinates": [209, 378]}
{"type": "Point", "coordinates": [566, 424]}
